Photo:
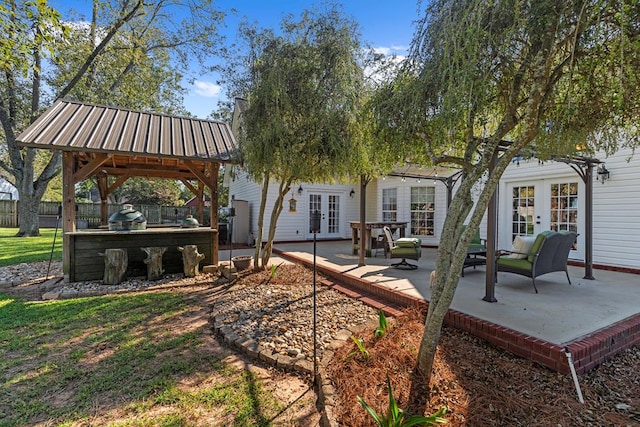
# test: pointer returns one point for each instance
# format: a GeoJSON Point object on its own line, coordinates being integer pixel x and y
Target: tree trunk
{"type": "Point", "coordinates": [283, 189]}
{"type": "Point", "coordinates": [191, 260]}
{"type": "Point", "coordinates": [115, 265]}
{"type": "Point", "coordinates": [263, 202]}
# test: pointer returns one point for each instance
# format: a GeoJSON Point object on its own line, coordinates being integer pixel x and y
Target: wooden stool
{"type": "Point", "coordinates": [115, 265]}
{"type": "Point", "coordinates": [191, 260]}
{"type": "Point", "coordinates": [154, 261]}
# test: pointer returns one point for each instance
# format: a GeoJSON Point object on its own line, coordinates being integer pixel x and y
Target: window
{"type": "Point", "coordinates": [564, 206]}
{"type": "Point", "coordinates": [390, 204]}
{"type": "Point", "coordinates": [523, 211]}
{"type": "Point", "coordinates": [422, 211]}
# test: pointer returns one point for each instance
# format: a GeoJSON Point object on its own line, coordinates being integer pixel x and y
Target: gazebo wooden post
{"type": "Point", "coordinates": [200, 196]}
{"type": "Point", "coordinates": [68, 210]}
{"type": "Point", "coordinates": [104, 203]}
{"type": "Point", "coordinates": [213, 210]}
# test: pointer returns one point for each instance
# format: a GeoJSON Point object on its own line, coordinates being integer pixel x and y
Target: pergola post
{"type": "Point", "coordinates": [588, 222]}
{"type": "Point", "coordinates": [492, 239]}
{"type": "Point", "coordinates": [363, 219]}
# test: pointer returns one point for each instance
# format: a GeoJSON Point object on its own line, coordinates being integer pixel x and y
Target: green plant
{"type": "Point", "coordinates": [274, 269]}
{"type": "Point", "coordinates": [381, 330]}
{"type": "Point", "coordinates": [360, 349]}
{"type": "Point", "coordinates": [397, 417]}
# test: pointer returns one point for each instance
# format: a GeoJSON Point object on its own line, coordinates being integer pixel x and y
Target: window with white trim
{"type": "Point", "coordinates": [390, 204]}
{"type": "Point", "coordinates": [422, 211]}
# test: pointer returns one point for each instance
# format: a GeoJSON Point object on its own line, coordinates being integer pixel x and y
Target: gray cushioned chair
{"type": "Point", "coordinates": [549, 253]}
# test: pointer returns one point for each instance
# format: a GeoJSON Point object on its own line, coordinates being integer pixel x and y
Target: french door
{"type": "Point", "coordinates": [329, 205]}
{"type": "Point", "coordinates": [547, 205]}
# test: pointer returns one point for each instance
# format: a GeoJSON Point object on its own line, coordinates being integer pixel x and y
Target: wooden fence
{"type": "Point", "coordinates": [88, 214]}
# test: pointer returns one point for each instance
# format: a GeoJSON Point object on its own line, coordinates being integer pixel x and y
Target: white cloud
{"type": "Point", "coordinates": [391, 50]}
{"type": "Point", "coordinates": [206, 89]}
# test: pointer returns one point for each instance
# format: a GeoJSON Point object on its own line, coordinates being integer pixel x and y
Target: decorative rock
{"type": "Point", "coordinates": [210, 269]}
{"type": "Point", "coordinates": [50, 296]}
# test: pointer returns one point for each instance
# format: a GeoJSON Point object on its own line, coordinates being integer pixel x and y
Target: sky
{"type": "Point", "coordinates": [385, 25]}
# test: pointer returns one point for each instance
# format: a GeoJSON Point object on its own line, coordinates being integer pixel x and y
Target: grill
{"type": "Point", "coordinates": [127, 219]}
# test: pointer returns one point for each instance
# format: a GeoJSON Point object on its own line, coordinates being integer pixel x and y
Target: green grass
{"type": "Point", "coordinates": [15, 250]}
{"type": "Point", "coordinates": [119, 360]}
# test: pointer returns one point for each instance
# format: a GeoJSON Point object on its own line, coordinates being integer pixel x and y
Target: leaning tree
{"type": "Point", "coordinates": [486, 81]}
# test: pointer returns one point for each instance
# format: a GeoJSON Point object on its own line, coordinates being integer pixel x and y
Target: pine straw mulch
{"type": "Point", "coordinates": [481, 384]}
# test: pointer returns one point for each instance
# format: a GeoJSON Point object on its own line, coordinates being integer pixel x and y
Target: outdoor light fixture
{"type": "Point", "coordinates": [300, 190]}
{"type": "Point", "coordinates": [603, 173]}
{"type": "Point", "coordinates": [352, 193]}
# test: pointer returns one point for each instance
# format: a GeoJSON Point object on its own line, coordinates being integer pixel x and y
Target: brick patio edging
{"type": "Point", "coordinates": [587, 352]}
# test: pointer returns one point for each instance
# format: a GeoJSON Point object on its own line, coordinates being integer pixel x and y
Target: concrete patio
{"type": "Point", "coordinates": [592, 319]}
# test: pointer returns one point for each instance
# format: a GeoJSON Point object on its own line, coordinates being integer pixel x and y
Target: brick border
{"type": "Point", "coordinates": [587, 352]}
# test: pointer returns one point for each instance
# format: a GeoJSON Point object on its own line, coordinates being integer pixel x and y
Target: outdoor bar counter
{"type": "Point", "coordinates": [85, 247]}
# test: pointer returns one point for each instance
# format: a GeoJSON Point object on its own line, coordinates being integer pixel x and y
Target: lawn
{"type": "Point", "coordinates": [16, 250]}
{"type": "Point", "coordinates": [144, 359]}
{"type": "Point", "coordinates": [122, 360]}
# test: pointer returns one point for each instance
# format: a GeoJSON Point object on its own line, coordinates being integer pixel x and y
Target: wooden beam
{"type": "Point", "coordinates": [212, 169]}
{"type": "Point", "coordinates": [200, 196]}
{"type": "Point", "coordinates": [152, 172]}
{"type": "Point", "coordinates": [206, 180]}
{"type": "Point", "coordinates": [189, 186]}
{"type": "Point", "coordinates": [104, 193]}
{"type": "Point", "coordinates": [68, 211]}
{"type": "Point", "coordinates": [119, 181]}
{"type": "Point", "coordinates": [90, 168]}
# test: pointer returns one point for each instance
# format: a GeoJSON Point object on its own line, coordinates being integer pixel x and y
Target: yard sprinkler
{"type": "Point", "coordinates": [53, 245]}
{"type": "Point", "coordinates": [315, 228]}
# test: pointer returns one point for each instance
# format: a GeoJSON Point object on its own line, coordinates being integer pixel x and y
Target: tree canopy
{"type": "Point", "coordinates": [131, 53]}
{"type": "Point", "coordinates": [303, 91]}
{"type": "Point", "coordinates": [487, 81]}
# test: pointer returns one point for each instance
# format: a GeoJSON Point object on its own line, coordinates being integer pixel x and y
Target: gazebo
{"type": "Point", "coordinates": [102, 142]}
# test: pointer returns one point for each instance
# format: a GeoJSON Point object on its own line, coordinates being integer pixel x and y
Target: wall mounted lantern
{"type": "Point", "coordinates": [352, 193]}
{"type": "Point", "coordinates": [603, 173]}
{"type": "Point", "coordinates": [300, 190]}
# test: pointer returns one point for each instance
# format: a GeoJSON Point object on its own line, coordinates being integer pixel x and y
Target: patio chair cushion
{"type": "Point", "coordinates": [516, 263]}
{"type": "Point", "coordinates": [477, 243]}
{"type": "Point", "coordinates": [408, 242]}
{"type": "Point", "coordinates": [521, 247]}
{"type": "Point", "coordinates": [535, 248]}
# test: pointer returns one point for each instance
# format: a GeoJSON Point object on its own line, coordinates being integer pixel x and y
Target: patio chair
{"type": "Point", "coordinates": [477, 244]}
{"type": "Point", "coordinates": [548, 253]}
{"type": "Point", "coordinates": [406, 247]}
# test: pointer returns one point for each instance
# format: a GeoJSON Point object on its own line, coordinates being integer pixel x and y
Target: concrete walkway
{"type": "Point", "coordinates": [560, 315]}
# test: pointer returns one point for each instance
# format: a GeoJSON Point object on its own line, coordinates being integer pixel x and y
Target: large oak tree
{"type": "Point", "coordinates": [129, 53]}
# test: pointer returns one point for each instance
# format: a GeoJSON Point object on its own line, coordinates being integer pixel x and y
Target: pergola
{"type": "Point", "coordinates": [582, 165]}
{"type": "Point", "coordinates": [108, 142]}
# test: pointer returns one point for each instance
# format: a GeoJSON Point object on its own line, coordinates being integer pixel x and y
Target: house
{"type": "Point", "coordinates": [533, 196]}
{"type": "Point", "coordinates": [7, 190]}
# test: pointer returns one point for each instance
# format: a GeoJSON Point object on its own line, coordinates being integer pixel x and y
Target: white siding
{"type": "Point", "coordinates": [293, 226]}
{"type": "Point", "coordinates": [616, 205]}
{"type": "Point", "coordinates": [404, 203]}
